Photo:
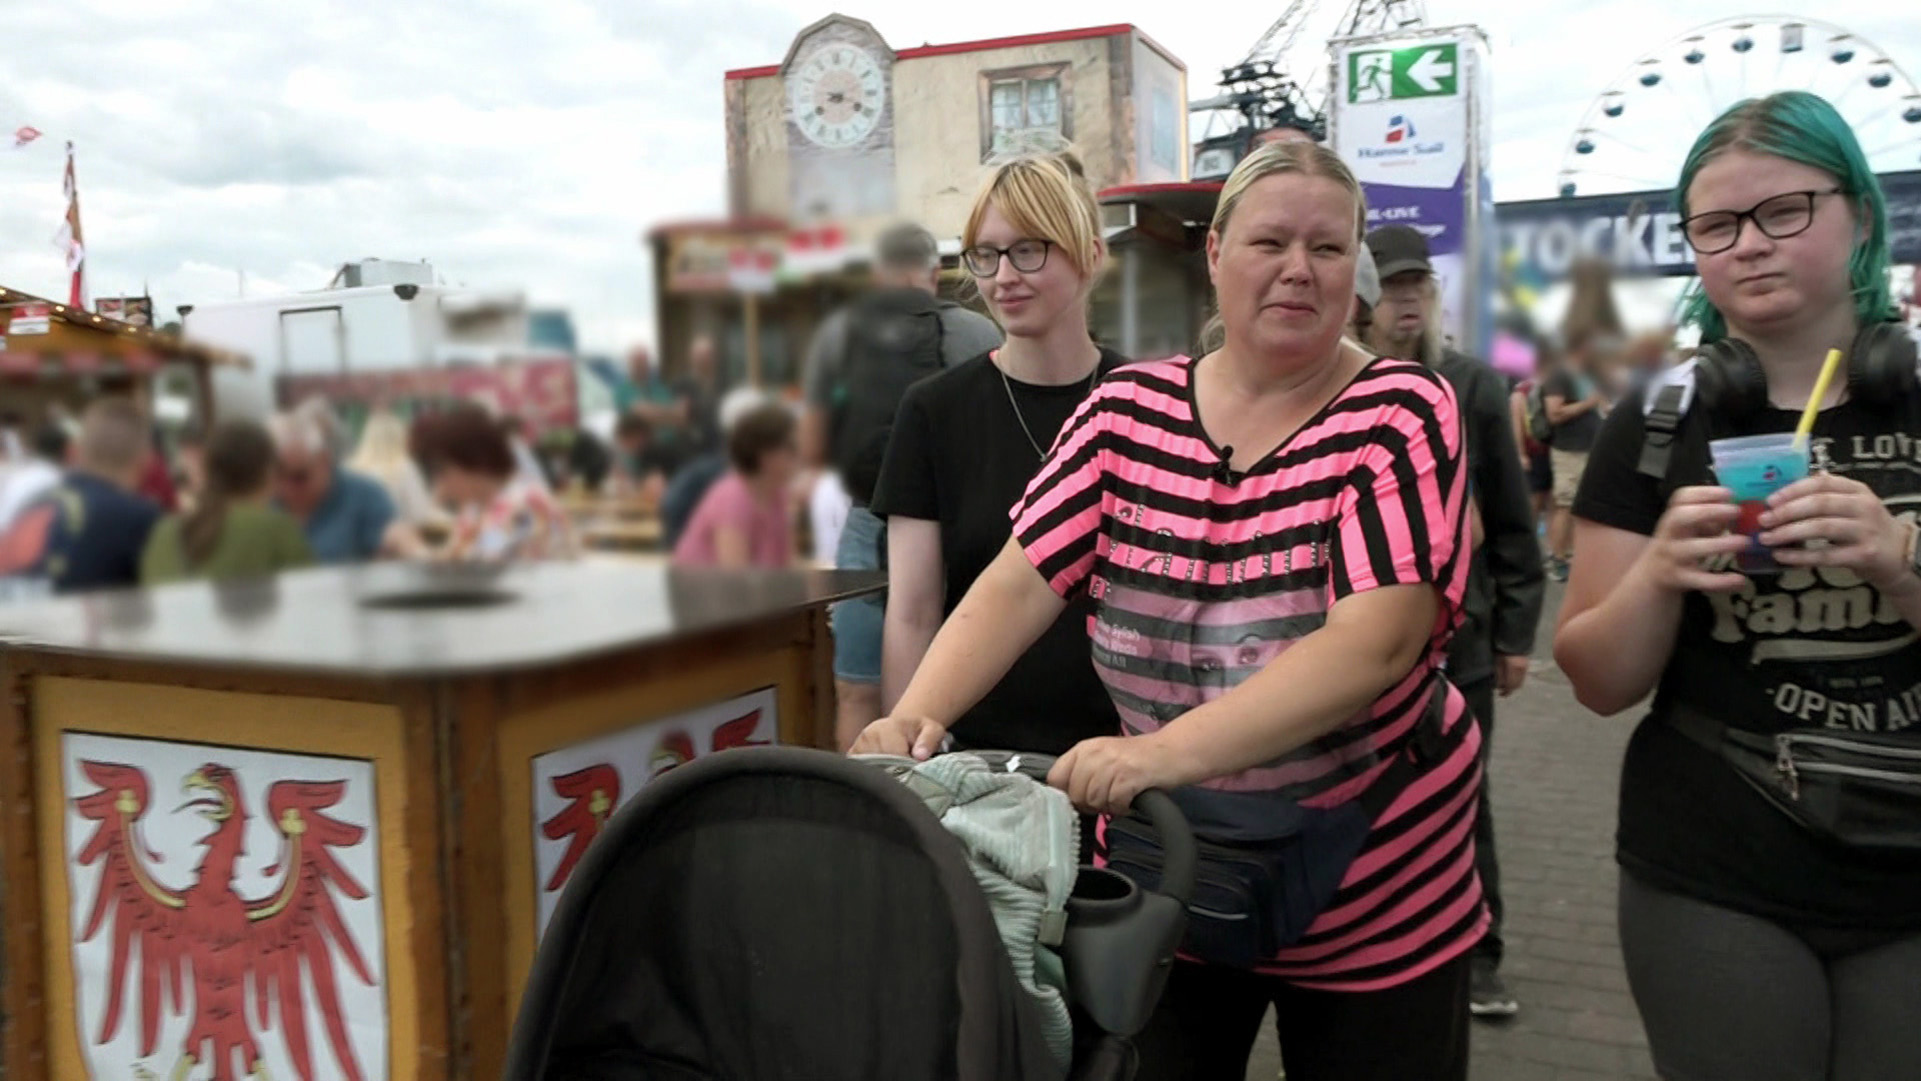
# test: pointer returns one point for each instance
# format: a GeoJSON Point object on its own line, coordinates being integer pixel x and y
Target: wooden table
{"type": "Point", "coordinates": [614, 523]}
{"type": "Point", "coordinates": [388, 774]}
{"type": "Point", "coordinates": [607, 506]}
{"type": "Point", "coordinates": [641, 535]}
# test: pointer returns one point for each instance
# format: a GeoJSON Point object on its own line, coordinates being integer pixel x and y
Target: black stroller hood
{"type": "Point", "coordinates": [769, 914]}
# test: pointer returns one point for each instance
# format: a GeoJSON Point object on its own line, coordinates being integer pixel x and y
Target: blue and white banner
{"type": "Point", "coordinates": [1640, 232]}
{"type": "Point", "coordinates": [1405, 112]}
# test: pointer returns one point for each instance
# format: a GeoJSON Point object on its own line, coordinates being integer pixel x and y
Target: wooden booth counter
{"type": "Point", "coordinates": [313, 827]}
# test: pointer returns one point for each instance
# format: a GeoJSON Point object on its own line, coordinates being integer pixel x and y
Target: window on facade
{"type": "Point", "coordinates": [1026, 114]}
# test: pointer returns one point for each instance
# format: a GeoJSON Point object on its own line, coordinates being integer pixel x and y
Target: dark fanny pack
{"type": "Point", "coordinates": [1861, 789]}
{"type": "Point", "coordinates": [1269, 866]}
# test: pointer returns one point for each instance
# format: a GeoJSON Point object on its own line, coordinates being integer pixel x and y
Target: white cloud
{"type": "Point", "coordinates": [529, 143]}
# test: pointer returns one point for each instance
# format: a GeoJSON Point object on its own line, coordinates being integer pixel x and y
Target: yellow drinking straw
{"type": "Point", "coordinates": [1821, 382]}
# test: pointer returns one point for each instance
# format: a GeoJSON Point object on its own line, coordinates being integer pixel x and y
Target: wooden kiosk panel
{"type": "Point", "coordinates": [285, 871]}
{"type": "Point", "coordinates": [568, 764]}
{"type": "Point", "coordinates": [310, 826]}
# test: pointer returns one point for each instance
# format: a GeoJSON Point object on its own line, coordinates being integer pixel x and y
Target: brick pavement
{"type": "Point", "coordinates": [1555, 770]}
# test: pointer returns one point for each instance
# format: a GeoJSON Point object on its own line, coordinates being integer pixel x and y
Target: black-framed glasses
{"type": "Point", "coordinates": [984, 260]}
{"type": "Point", "coordinates": [1777, 216]}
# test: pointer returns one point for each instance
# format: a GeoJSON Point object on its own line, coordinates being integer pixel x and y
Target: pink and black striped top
{"type": "Point", "coordinates": [1200, 580]}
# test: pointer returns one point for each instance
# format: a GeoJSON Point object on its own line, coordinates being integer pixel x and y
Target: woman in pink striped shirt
{"type": "Point", "coordinates": [1272, 535]}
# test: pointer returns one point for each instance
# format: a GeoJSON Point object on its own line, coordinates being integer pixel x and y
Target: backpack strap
{"type": "Point", "coordinates": [1664, 406]}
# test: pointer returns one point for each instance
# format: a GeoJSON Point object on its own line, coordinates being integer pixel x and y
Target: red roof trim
{"type": "Point", "coordinates": [1048, 38]}
{"type": "Point", "coordinates": [1114, 30]}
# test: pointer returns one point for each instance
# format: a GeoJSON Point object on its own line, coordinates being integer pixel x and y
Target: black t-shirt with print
{"type": "Point", "coordinates": [958, 456]}
{"type": "Point", "coordinates": [1801, 649]}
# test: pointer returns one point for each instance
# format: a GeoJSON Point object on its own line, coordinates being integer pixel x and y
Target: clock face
{"type": "Point", "coordinates": [837, 95]}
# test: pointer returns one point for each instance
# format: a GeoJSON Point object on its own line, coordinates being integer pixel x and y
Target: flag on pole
{"type": "Point", "coordinates": [69, 244]}
{"type": "Point", "coordinates": [24, 135]}
{"type": "Point", "coordinates": [70, 238]}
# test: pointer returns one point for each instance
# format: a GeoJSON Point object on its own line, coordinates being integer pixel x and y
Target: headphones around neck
{"type": "Point", "coordinates": [1881, 371]}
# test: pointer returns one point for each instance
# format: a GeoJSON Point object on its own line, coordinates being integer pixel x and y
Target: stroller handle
{"type": "Point", "coordinates": [1178, 854]}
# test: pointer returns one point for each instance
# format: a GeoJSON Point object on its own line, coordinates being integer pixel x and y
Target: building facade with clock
{"type": "Point", "coordinates": [848, 134]}
{"type": "Point", "coordinates": [849, 129]}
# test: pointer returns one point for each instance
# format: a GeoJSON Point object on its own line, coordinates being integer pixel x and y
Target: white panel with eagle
{"type": "Point", "coordinates": [226, 912]}
{"type": "Point", "coordinates": [577, 788]}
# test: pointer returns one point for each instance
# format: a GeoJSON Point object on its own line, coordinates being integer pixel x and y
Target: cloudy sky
{"type": "Point", "coordinates": [529, 143]}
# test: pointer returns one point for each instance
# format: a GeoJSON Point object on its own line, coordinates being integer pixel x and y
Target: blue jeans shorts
{"type": "Point", "coordinates": [857, 623]}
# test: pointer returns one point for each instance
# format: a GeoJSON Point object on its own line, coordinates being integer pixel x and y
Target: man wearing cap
{"type": "Point", "coordinates": [1505, 579]}
{"type": "Point", "coordinates": [862, 360]}
{"type": "Point", "coordinates": [1367, 291]}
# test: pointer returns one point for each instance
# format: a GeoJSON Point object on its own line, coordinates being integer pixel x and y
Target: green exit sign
{"type": "Point", "coordinates": [1419, 71]}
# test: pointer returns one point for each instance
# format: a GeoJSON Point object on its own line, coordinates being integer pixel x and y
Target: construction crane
{"type": "Point", "coordinates": [1282, 82]}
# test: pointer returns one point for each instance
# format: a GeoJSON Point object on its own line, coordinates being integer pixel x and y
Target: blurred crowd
{"type": "Point", "coordinates": [102, 500]}
{"type": "Point", "coordinates": [109, 499]}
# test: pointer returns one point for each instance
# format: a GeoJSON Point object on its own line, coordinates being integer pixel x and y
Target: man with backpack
{"type": "Point", "coordinates": [862, 361]}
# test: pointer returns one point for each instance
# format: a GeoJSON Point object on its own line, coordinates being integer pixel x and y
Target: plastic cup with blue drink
{"type": "Point", "coordinates": [1755, 467]}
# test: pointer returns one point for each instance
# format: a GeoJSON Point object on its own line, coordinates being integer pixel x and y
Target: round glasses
{"type": "Point", "coordinates": [984, 261]}
{"type": "Point", "coordinates": [1779, 216]}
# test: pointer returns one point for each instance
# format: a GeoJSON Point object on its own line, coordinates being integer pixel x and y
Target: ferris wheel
{"type": "Point", "coordinates": [1634, 136]}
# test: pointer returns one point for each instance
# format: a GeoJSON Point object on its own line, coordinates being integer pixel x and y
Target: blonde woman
{"type": "Point", "coordinates": [382, 455]}
{"type": "Point", "coordinates": [1273, 542]}
{"type": "Point", "coordinates": [966, 443]}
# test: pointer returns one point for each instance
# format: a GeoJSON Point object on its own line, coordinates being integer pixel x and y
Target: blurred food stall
{"type": "Point", "coordinates": [760, 288]}
{"type": "Point", "coordinates": [731, 281]}
{"type": "Point", "coordinates": [55, 356]}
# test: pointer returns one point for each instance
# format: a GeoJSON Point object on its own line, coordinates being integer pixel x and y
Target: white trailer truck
{"type": "Point", "coordinates": [377, 317]}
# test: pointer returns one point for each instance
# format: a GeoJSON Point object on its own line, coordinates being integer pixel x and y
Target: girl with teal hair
{"type": "Point", "coordinates": [1763, 945]}
{"type": "Point", "coordinates": [1801, 127]}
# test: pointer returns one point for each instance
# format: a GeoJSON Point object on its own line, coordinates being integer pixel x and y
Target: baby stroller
{"type": "Point", "coordinates": [780, 913]}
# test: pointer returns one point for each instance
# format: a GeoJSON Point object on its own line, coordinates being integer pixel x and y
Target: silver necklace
{"type": "Point", "coordinates": [1008, 385]}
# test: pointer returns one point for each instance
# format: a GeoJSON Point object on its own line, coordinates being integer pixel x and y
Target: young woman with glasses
{"type": "Point", "coordinates": [966, 443]}
{"type": "Point", "coordinates": [1764, 942]}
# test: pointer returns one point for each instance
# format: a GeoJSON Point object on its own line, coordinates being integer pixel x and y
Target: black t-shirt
{"type": "Point", "coordinates": [1798, 650]}
{"type": "Point", "coordinates": [1576, 435]}
{"type": "Point", "coordinates": [958, 456]}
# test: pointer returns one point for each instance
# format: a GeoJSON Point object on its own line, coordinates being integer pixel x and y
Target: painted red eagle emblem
{"type": "Point", "coordinates": [206, 951]}
{"type": "Point", "coordinates": [677, 748]}
{"type": "Point", "coordinates": [594, 792]}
